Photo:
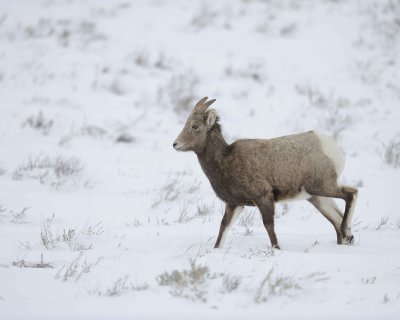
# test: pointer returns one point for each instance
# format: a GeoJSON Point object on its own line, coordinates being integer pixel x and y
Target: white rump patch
{"type": "Point", "coordinates": [302, 195]}
{"type": "Point", "coordinates": [332, 151]}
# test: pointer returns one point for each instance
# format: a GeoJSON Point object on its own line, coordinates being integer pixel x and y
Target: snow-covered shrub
{"type": "Point", "coordinates": [204, 17]}
{"type": "Point", "coordinates": [46, 234]}
{"type": "Point", "coordinates": [75, 239]}
{"type": "Point", "coordinates": [88, 130]}
{"type": "Point", "coordinates": [333, 111]}
{"type": "Point", "coordinates": [176, 185]}
{"type": "Point", "coordinates": [179, 93]}
{"type": "Point", "coordinates": [391, 153]}
{"type": "Point", "coordinates": [247, 221]}
{"type": "Point", "coordinates": [76, 268]}
{"type": "Point", "coordinates": [65, 32]}
{"type": "Point", "coordinates": [21, 263]}
{"type": "Point", "coordinates": [39, 122]}
{"type": "Point", "coordinates": [184, 215]}
{"type": "Point", "coordinates": [189, 283]}
{"type": "Point", "coordinates": [119, 287]}
{"type": "Point", "coordinates": [384, 21]}
{"type": "Point", "coordinates": [230, 283]}
{"type": "Point", "coordinates": [336, 121]}
{"type": "Point", "coordinates": [125, 138]}
{"type": "Point", "coordinates": [275, 285]}
{"type": "Point", "coordinates": [141, 58]}
{"type": "Point", "coordinates": [50, 171]}
{"type": "Point", "coordinates": [384, 221]}
{"type": "Point", "coordinates": [163, 61]}
{"type": "Point", "coordinates": [203, 210]}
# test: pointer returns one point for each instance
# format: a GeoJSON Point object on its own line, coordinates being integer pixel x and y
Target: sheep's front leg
{"type": "Point", "coordinates": [267, 209]}
{"type": "Point", "coordinates": [231, 213]}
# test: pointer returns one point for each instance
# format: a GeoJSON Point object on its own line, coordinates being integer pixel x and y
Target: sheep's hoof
{"type": "Point", "coordinates": [347, 240]}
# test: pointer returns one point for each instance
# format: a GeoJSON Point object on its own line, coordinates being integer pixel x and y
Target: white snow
{"type": "Point", "coordinates": [77, 76]}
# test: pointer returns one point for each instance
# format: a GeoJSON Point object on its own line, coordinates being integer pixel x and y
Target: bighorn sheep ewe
{"type": "Point", "coordinates": [255, 172]}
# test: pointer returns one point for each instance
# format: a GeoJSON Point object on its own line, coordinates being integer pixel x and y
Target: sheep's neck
{"type": "Point", "coordinates": [213, 158]}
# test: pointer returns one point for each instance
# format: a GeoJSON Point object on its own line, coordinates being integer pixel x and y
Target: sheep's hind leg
{"type": "Point", "coordinates": [351, 198]}
{"type": "Point", "coordinates": [231, 213]}
{"type": "Point", "coordinates": [330, 211]}
{"type": "Point", "coordinates": [349, 195]}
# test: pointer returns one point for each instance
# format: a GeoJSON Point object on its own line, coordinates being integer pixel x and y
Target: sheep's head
{"type": "Point", "coordinates": [194, 134]}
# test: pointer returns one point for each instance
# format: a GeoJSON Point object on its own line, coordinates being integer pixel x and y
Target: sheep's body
{"type": "Point", "coordinates": [257, 172]}
{"type": "Point", "coordinates": [250, 168]}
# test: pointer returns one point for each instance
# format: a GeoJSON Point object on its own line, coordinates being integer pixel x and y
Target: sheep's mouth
{"type": "Point", "coordinates": [181, 148]}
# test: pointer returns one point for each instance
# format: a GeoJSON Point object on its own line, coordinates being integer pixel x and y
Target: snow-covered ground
{"type": "Point", "coordinates": [101, 218]}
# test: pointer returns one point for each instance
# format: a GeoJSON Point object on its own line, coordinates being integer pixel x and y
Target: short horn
{"type": "Point", "coordinates": [201, 101]}
{"type": "Point", "coordinates": [198, 108]}
{"type": "Point", "coordinates": [202, 105]}
{"type": "Point", "coordinates": [209, 103]}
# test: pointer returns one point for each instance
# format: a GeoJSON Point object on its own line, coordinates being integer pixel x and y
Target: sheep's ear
{"type": "Point", "coordinates": [212, 117]}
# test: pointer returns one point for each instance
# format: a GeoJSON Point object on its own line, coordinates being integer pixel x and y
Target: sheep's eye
{"type": "Point", "coordinates": [195, 127]}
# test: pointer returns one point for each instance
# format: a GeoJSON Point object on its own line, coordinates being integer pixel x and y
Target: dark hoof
{"type": "Point", "coordinates": [348, 240]}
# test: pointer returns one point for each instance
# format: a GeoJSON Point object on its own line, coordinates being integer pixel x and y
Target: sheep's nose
{"type": "Point", "coordinates": [174, 145]}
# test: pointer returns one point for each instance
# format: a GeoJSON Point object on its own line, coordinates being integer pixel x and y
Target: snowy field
{"type": "Point", "coordinates": [100, 218]}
